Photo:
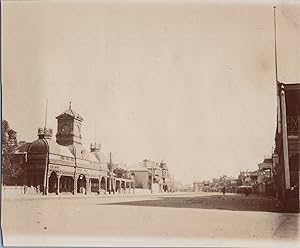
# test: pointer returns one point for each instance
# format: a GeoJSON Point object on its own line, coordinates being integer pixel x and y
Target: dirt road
{"type": "Point", "coordinates": [172, 220]}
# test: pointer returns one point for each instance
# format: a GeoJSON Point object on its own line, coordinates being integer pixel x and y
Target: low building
{"type": "Point", "coordinates": [141, 175]}
{"type": "Point", "coordinates": [185, 188]}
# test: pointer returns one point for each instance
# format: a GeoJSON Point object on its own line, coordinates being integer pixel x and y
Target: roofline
{"type": "Point", "coordinates": [19, 152]}
{"type": "Point", "coordinates": [71, 117]}
{"type": "Point", "coordinates": [291, 85]}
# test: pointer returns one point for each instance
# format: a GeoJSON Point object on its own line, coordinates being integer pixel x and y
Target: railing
{"type": "Point", "coordinates": [293, 124]}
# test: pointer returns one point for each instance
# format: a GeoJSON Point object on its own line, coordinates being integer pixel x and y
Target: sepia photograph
{"type": "Point", "coordinates": [150, 123]}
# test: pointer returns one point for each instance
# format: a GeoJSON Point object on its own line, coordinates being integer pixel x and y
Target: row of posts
{"type": "Point", "coordinates": [111, 185]}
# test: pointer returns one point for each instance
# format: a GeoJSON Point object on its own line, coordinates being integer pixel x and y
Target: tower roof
{"type": "Point", "coordinates": [70, 113]}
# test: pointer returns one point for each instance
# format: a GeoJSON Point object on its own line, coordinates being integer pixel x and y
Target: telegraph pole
{"type": "Point", "coordinates": [276, 72]}
{"type": "Point", "coordinates": [275, 44]}
{"type": "Point", "coordinates": [110, 172]}
{"type": "Point", "coordinates": [281, 115]}
{"type": "Point", "coordinates": [45, 183]}
{"type": "Point", "coordinates": [152, 178]}
{"type": "Point", "coordinates": [46, 115]}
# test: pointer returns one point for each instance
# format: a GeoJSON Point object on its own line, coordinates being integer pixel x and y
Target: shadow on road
{"type": "Point", "coordinates": [227, 202]}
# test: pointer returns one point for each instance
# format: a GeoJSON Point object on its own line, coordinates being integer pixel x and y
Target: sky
{"type": "Point", "coordinates": [191, 83]}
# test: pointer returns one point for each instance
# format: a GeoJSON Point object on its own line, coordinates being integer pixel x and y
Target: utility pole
{"type": "Point", "coordinates": [45, 183]}
{"type": "Point", "coordinates": [110, 173]}
{"type": "Point", "coordinates": [285, 145]}
{"type": "Point", "coordinates": [46, 115]}
{"type": "Point", "coordinates": [152, 177]}
{"type": "Point", "coordinates": [275, 44]}
{"type": "Point", "coordinates": [281, 116]}
{"type": "Point", "coordinates": [276, 73]}
{"type": "Point", "coordinates": [173, 183]}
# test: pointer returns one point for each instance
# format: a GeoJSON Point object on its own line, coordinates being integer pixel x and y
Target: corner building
{"type": "Point", "coordinates": [65, 165]}
{"type": "Point", "coordinates": [286, 156]}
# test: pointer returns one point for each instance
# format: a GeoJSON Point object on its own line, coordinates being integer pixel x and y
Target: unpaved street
{"type": "Point", "coordinates": [185, 219]}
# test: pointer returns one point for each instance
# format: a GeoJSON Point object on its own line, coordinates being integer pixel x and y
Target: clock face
{"type": "Point", "coordinates": [65, 129]}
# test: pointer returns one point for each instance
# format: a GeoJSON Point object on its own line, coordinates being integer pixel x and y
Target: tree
{"type": "Point", "coordinates": [11, 165]}
{"type": "Point", "coordinates": [120, 172]}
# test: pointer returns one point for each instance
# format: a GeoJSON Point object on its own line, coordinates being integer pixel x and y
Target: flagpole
{"type": "Point", "coordinates": [275, 44]}
{"type": "Point", "coordinates": [46, 113]}
{"type": "Point", "coordinates": [46, 180]}
{"type": "Point", "coordinates": [276, 73]}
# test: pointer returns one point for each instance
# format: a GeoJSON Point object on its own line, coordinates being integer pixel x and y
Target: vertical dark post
{"type": "Point", "coordinates": [46, 113]}
{"type": "Point", "coordinates": [45, 183]}
{"type": "Point", "coordinates": [285, 142]}
{"type": "Point", "coordinates": [152, 178]}
{"type": "Point", "coordinates": [110, 172]}
{"type": "Point", "coordinates": [276, 74]}
{"type": "Point", "coordinates": [275, 44]}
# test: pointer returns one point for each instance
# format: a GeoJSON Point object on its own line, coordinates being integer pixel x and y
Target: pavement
{"type": "Point", "coordinates": [175, 219]}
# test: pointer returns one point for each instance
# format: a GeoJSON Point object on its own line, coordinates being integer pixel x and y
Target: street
{"type": "Point", "coordinates": [177, 219]}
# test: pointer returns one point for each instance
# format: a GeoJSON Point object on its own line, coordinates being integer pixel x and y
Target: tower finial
{"type": "Point", "coordinates": [70, 104]}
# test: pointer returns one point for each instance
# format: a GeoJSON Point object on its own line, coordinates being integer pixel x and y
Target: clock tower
{"type": "Point", "coordinates": [69, 128]}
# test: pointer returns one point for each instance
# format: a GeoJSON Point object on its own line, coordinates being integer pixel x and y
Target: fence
{"type": "Point", "coordinates": [19, 190]}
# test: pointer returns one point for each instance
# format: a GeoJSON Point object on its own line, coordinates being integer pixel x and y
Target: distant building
{"type": "Point", "coordinates": [265, 184]}
{"type": "Point", "coordinates": [185, 188]}
{"type": "Point", "coordinates": [150, 174]}
{"type": "Point", "coordinates": [141, 175]}
{"type": "Point", "coordinates": [197, 186]}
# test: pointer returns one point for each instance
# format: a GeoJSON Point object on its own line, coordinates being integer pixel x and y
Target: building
{"type": "Point", "coordinates": [265, 183]}
{"type": "Point", "coordinates": [120, 174]}
{"type": "Point", "coordinates": [166, 178]}
{"type": "Point", "coordinates": [206, 186]}
{"type": "Point", "coordinates": [185, 188]}
{"type": "Point", "coordinates": [286, 165]}
{"type": "Point", "coordinates": [64, 164]}
{"type": "Point", "coordinates": [154, 176]}
{"type": "Point", "coordinates": [197, 186]}
{"type": "Point", "coordinates": [141, 175]}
